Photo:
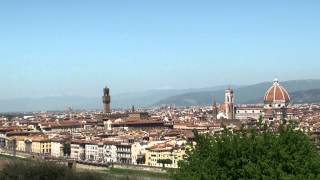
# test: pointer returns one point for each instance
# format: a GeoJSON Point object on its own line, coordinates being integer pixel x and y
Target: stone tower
{"type": "Point", "coordinates": [229, 103]}
{"type": "Point", "coordinates": [106, 99]}
{"type": "Point", "coordinates": [214, 109]}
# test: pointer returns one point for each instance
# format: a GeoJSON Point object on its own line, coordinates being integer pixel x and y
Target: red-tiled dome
{"type": "Point", "coordinates": [276, 93]}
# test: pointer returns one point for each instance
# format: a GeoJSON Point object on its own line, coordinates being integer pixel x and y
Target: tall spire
{"type": "Point", "coordinates": [214, 101]}
{"type": "Point", "coordinates": [214, 109]}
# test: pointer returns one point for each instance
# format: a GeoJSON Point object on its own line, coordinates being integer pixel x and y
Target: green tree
{"type": "Point", "coordinates": [66, 149]}
{"type": "Point", "coordinates": [251, 154]}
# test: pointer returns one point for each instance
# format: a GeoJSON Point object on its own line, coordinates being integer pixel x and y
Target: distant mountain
{"type": "Point", "coordinates": [48, 103]}
{"type": "Point", "coordinates": [299, 90]}
{"type": "Point", "coordinates": [125, 100]}
{"type": "Point", "coordinates": [308, 96]}
{"type": "Point", "coordinates": [148, 98]}
{"type": "Point", "coordinates": [245, 94]}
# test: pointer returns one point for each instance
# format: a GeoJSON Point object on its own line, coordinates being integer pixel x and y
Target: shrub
{"type": "Point", "coordinates": [41, 170]}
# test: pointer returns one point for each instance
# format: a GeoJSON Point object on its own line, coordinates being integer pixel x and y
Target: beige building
{"type": "Point", "coordinates": [20, 143]}
{"type": "Point", "coordinates": [25, 144]}
{"type": "Point", "coordinates": [41, 145]}
{"type": "Point", "coordinates": [164, 151]}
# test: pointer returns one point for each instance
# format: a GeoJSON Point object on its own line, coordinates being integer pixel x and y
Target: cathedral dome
{"type": "Point", "coordinates": [276, 94]}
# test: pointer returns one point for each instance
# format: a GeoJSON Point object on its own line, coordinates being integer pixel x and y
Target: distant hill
{"type": "Point", "coordinates": [148, 98]}
{"type": "Point", "coordinates": [48, 103]}
{"type": "Point", "coordinates": [308, 96]}
{"type": "Point", "coordinates": [125, 100]}
{"type": "Point", "coordinates": [298, 89]}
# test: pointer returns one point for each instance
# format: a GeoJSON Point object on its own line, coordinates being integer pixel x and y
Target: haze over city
{"type": "Point", "coordinates": [159, 90]}
{"type": "Point", "coordinates": [64, 48]}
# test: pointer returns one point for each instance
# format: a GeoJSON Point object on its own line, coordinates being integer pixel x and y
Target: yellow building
{"type": "Point", "coordinates": [40, 145]}
{"type": "Point", "coordinates": [164, 152]}
{"type": "Point", "coordinates": [20, 145]}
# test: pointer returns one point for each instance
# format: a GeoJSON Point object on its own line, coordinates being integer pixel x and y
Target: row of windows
{"type": "Point", "coordinates": [124, 149]}
{"type": "Point", "coordinates": [124, 155]}
{"type": "Point", "coordinates": [250, 111]}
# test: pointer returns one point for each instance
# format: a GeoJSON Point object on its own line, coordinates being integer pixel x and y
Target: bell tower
{"type": "Point", "coordinates": [106, 99]}
{"type": "Point", "coordinates": [214, 109]}
{"type": "Point", "coordinates": [229, 103]}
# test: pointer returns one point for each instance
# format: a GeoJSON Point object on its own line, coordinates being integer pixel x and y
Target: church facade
{"type": "Point", "coordinates": [277, 103]}
{"type": "Point", "coordinates": [277, 106]}
{"type": "Point", "coordinates": [227, 109]}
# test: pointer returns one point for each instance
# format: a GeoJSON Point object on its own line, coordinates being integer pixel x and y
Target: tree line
{"type": "Point", "coordinates": [259, 153]}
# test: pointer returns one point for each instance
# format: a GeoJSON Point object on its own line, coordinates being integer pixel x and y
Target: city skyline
{"type": "Point", "coordinates": [168, 89]}
{"type": "Point", "coordinates": [139, 46]}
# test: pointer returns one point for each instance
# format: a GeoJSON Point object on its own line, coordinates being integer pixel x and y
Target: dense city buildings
{"type": "Point", "coordinates": [156, 137]}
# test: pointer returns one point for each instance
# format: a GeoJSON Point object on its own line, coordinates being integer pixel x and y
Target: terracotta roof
{"type": "Point", "coordinates": [12, 128]}
{"type": "Point", "coordinates": [62, 124]}
{"type": "Point", "coordinates": [276, 93]}
{"type": "Point", "coordinates": [39, 138]}
{"type": "Point", "coordinates": [111, 142]}
{"type": "Point", "coordinates": [79, 141]}
{"type": "Point", "coordinates": [137, 122]}
{"type": "Point", "coordinates": [290, 110]}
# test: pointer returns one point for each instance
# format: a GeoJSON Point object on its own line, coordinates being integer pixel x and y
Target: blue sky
{"type": "Point", "coordinates": [54, 48]}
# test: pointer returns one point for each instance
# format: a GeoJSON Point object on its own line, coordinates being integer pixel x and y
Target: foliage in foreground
{"type": "Point", "coordinates": [40, 170]}
{"type": "Point", "coordinates": [139, 174]}
{"type": "Point", "coordinates": [287, 154]}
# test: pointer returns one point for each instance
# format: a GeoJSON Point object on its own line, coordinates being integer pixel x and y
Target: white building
{"type": "Point", "coordinates": [244, 113]}
{"type": "Point", "coordinates": [92, 152]}
{"type": "Point", "coordinates": [124, 153]}
{"type": "Point", "coordinates": [78, 150]}
{"type": "Point", "coordinates": [101, 152]}
{"type": "Point", "coordinates": [129, 153]}
{"type": "Point", "coordinates": [57, 148]}
{"type": "Point", "coordinates": [109, 152]}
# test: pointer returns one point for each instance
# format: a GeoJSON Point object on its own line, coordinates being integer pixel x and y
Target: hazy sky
{"type": "Point", "coordinates": [65, 47]}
